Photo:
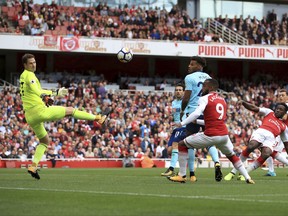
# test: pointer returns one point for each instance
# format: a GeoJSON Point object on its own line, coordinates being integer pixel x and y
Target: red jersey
{"type": "Point", "coordinates": [214, 109]}
{"type": "Point", "coordinates": [215, 115]}
{"type": "Point", "coordinates": [271, 123]}
{"type": "Point", "coordinates": [286, 120]}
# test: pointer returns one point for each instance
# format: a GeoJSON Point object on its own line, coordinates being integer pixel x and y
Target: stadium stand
{"type": "Point", "coordinates": [137, 23]}
{"type": "Point", "coordinates": [153, 110]}
{"type": "Point", "coordinates": [137, 104]}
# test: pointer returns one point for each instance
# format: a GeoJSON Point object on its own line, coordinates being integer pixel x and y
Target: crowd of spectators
{"type": "Point", "coordinates": [135, 23]}
{"type": "Point", "coordinates": [103, 21]}
{"type": "Point", "coordinates": [269, 30]}
{"type": "Point", "coordinates": [139, 124]}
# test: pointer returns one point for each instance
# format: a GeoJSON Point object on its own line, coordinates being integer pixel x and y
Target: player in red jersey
{"type": "Point", "coordinates": [281, 98]}
{"type": "Point", "coordinates": [214, 109]}
{"type": "Point", "coordinates": [265, 136]}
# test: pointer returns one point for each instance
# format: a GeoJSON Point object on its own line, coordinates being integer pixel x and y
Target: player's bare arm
{"type": "Point", "coordinates": [185, 101]}
{"type": "Point", "coordinates": [250, 106]}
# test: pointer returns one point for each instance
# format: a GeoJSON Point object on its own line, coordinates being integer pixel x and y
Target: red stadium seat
{"type": "Point", "coordinates": [4, 10]}
{"type": "Point", "coordinates": [11, 14]}
{"type": "Point", "coordinates": [48, 32]}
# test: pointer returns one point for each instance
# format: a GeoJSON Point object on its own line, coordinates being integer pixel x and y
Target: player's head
{"type": "Point", "coordinates": [179, 91]}
{"type": "Point", "coordinates": [209, 85]}
{"type": "Point", "coordinates": [283, 96]}
{"type": "Point", "coordinates": [29, 62]}
{"type": "Point", "coordinates": [280, 110]}
{"type": "Point", "coordinates": [197, 63]}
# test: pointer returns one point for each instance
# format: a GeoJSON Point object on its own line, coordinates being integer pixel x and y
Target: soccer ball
{"type": "Point", "coordinates": [125, 55]}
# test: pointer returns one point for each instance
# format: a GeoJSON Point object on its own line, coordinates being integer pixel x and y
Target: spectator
{"type": "Point", "coordinates": [51, 157]}
{"type": "Point", "coordinates": [22, 155]}
{"type": "Point", "coordinates": [127, 160]}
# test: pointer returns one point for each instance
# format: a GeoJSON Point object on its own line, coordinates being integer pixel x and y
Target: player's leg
{"type": "Point", "coordinates": [192, 129]}
{"type": "Point", "coordinates": [226, 147]}
{"type": "Point", "coordinates": [256, 140]}
{"type": "Point", "coordinates": [54, 113]}
{"type": "Point", "coordinates": [177, 135]}
{"type": "Point", "coordinates": [270, 164]}
{"type": "Point", "coordinates": [244, 155]}
{"type": "Point", "coordinates": [279, 146]}
{"type": "Point", "coordinates": [173, 150]}
{"type": "Point", "coordinates": [265, 153]}
{"type": "Point", "coordinates": [174, 156]}
{"type": "Point", "coordinates": [191, 164]}
{"type": "Point", "coordinates": [183, 155]}
{"type": "Point", "coordinates": [192, 141]}
{"type": "Point", "coordinates": [280, 157]}
{"type": "Point", "coordinates": [215, 157]}
{"type": "Point", "coordinates": [82, 115]}
{"type": "Point", "coordinates": [41, 133]}
{"type": "Point", "coordinates": [267, 143]}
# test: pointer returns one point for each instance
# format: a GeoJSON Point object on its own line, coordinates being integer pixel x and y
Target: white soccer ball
{"type": "Point", "coordinates": [125, 55]}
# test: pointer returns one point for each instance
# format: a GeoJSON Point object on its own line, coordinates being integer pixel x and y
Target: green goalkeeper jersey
{"type": "Point", "coordinates": [30, 90]}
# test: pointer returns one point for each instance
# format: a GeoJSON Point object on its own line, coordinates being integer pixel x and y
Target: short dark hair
{"type": "Point", "coordinates": [213, 82]}
{"type": "Point", "coordinates": [180, 84]}
{"type": "Point", "coordinates": [282, 104]}
{"type": "Point", "coordinates": [199, 60]}
{"type": "Point", "coordinates": [26, 57]}
{"type": "Point", "coordinates": [283, 90]}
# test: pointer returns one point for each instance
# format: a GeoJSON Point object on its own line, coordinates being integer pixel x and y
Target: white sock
{"type": "Point", "coordinates": [241, 168]}
{"type": "Point", "coordinates": [281, 158]}
{"type": "Point", "coordinates": [182, 158]}
{"type": "Point", "coordinates": [243, 159]}
{"type": "Point", "coordinates": [270, 164]}
{"type": "Point", "coordinates": [253, 166]}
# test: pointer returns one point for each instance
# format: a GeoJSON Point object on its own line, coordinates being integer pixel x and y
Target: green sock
{"type": "Point", "coordinates": [40, 150]}
{"type": "Point", "coordinates": [83, 115]}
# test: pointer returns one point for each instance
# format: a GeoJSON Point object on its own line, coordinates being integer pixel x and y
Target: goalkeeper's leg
{"type": "Point", "coordinates": [54, 113]}
{"type": "Point", "coordinates": [41, 133]}
{"type": "Point", "coordinates": [70, 111]}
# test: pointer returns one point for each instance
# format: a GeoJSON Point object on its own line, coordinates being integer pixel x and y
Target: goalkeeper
{"type": "Point", "coordinates": [38, 107]}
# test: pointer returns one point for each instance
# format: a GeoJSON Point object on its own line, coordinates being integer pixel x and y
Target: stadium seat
{"type": "Point", "coordinates": [11, 15]}
{"type": "Point", "coordinates": [4, 10]}
{"type": "Point", "coordinates": [48, 32]}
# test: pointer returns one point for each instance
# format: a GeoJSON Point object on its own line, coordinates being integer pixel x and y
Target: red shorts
{"type": "Point", "coordinates": [182, 148]}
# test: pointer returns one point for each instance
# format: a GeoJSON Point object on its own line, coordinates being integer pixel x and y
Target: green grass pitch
{"type": "Point", "coordinates": [137, 191]}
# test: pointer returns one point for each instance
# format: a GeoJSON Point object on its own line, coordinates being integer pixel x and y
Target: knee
{"type": "Point", "coordinates": [169, 150]}
{"type": "Point", "coordinates": [174, 145]}
{"type": "Point", "coordinates": [266, 152]}
{"type": "Point", "coordinates": [69, 111]}
{"type": "Point", "coordinates": [252, 146]}
{"type": "Point", "coordinates": [45, 140]}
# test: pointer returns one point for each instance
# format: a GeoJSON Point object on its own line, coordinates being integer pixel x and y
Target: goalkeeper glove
{"type": "Point", "coordinates": [60, 92]}
{"type": "Point", "coordinates": [47, 100]}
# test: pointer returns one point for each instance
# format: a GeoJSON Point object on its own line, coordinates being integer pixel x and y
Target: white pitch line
{"type": "Point", "coordinates": [228, 198]}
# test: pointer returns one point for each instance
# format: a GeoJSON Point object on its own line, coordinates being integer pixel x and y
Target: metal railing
{"type": "Point", "coordinates": [4, 83]}
{"type": "Point", "coordinates": [225, 33]}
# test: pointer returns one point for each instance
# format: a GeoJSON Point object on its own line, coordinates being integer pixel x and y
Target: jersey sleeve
{"type": "Point", "coordinates": [200, 122]}
{"type": "Point", "coordinates": [189, 83]}
{"type": "Point", "coordinates": [264, 111]}
{"type": "Point", "coordinates": [202, 103]}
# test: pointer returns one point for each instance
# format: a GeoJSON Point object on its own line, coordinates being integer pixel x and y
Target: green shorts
{"type": "Point", "coordinates": [36, 117]}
